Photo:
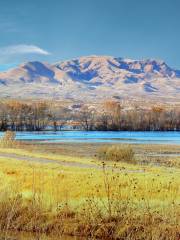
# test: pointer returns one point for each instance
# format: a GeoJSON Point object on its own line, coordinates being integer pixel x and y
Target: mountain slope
{"type": "Point", "coordinates": [93, 77]}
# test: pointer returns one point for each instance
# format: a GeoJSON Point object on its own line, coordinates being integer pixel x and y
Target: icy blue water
{"type": "Point", "coordinates": [101, 137]}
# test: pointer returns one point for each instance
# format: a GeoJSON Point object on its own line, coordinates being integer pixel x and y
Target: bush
{"type": "Point", "coordinates": [117, 153]}
{"type": "Point", "coordinates": [8, 140]}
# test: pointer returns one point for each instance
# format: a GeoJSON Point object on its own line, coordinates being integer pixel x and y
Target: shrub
{"type": "Point", "coordinates": [8, 140]}
{"type": "Point", "coordinates": [116, 153]}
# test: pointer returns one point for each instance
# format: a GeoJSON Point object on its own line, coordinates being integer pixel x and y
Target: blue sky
{"type": "Point", "coordinates": [63, 29]}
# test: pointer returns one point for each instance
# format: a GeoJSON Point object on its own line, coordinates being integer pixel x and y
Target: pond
{"type": "Point", "coordinates": [166, 137]}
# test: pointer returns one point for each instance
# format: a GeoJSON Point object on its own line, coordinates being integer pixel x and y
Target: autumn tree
{"type": "Point", "coordinates": [87, 118]}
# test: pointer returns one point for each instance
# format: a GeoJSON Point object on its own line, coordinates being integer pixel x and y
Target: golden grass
{"type": "Point", "coordinates": [117, 153]}
{"type": "Point", "coordinates": [129, 202]}
{"type": "Point", "coordinates": [34, 153]}
{"type": "Point", "coordinates": [144, 153]}
{"type": "Point", "coordinates": [43, 155]}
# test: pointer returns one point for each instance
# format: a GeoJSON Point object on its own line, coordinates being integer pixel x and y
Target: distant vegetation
{"type": "Point", "coordinates": [107, 116]}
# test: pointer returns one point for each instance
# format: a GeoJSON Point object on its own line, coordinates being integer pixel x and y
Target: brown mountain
{"type": "Point", "coordinates": [92, 78]}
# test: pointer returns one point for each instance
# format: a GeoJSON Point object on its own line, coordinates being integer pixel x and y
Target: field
{"type": "Point", "coordinates": [64, 189]}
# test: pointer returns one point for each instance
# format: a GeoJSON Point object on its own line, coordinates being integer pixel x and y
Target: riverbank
{"type": "Point", "coordinates": [153, 154]}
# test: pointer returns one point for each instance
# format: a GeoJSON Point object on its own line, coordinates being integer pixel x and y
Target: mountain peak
{"type": "Point", "coordinates": [148, 66]}
{"type": "Point", "coordinates": [92, 76]}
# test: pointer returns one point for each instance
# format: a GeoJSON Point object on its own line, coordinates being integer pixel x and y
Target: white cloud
{"type": "Point", "coordinates": [21, 53]}
{"type": "Point", "coordinates": [22, 49]}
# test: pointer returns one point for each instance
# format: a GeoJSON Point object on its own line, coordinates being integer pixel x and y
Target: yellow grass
{"type": "Point", "coordinates": [33, 153]}
{"type": "Point", "coordinates": [135, 199]}
{"type": "Point", "coordinates": [56, 157]}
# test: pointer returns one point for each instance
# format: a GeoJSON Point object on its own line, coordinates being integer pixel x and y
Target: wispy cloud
{"type": "Point", "coordinates": [22, 49]}
{"type": "Point", "coordinates": [20, 52]}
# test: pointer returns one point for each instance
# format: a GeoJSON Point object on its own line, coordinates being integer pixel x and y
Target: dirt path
{"type": "Point", "coordinates": [46, 160]}
{"type": "Point", "coordinates": [63, 163]}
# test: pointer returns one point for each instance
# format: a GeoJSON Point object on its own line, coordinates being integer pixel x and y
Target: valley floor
{"type": "Point", "coordinates": [63, 189]}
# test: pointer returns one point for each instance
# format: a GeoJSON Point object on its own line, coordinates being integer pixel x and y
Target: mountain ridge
{"type": "Point", "coordinates": [93, 77]}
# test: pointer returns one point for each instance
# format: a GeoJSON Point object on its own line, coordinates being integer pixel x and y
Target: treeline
{"type": "Point", "coordinates": [31, 116]}
{"type": "Point", "coordinates": [110, 116]}
{"type": "Point", "coordinates": [113, 117]}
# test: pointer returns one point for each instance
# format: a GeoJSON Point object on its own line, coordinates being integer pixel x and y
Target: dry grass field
{"type": "Point", "coordinates": [85, 197]}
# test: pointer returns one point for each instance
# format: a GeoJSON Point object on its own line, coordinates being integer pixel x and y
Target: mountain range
{"type": "Point", "coordinates": [92, 78]}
